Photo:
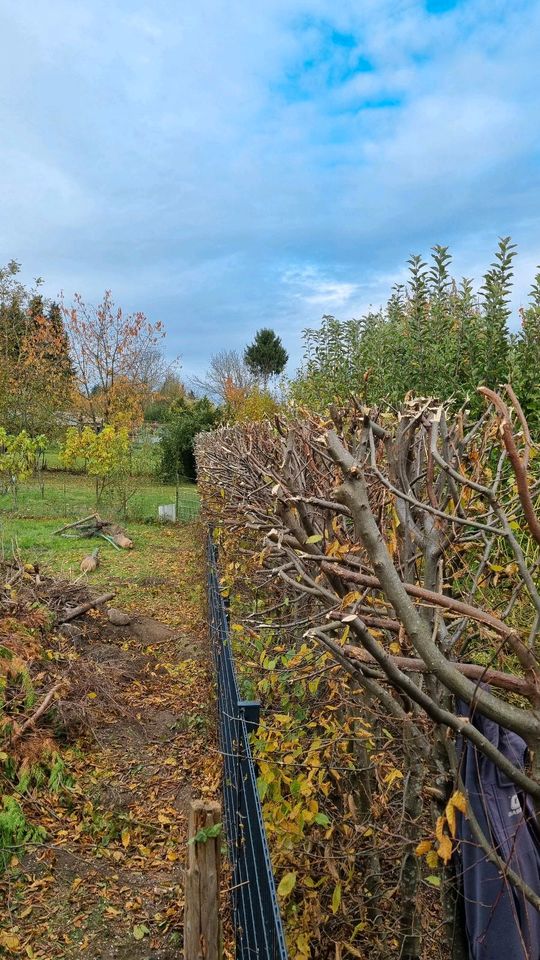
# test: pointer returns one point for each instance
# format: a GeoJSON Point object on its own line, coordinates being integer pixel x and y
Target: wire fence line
{"type": "Point", "coordinates": [257, 920]}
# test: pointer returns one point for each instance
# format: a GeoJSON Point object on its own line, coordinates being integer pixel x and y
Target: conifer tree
{"type": "Point", "coordinates": [266, 357]}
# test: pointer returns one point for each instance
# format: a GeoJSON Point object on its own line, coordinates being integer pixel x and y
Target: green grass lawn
{"type": "Point", "coordinates": [145, 578]}
{"type": "Point", "coordinates": [144, 459]}
{"type": "Point", "coordinates": [34, 541]}
{"type": "Point", "coordinates": [70, 496]}
{"type": "Point", "coordinates": [52, 461]}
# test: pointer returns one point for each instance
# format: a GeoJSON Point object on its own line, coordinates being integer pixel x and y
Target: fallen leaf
{"type": "Point", "coordinates": [287, 884]}
{"type": "Point", "coordinates": [10, 941]}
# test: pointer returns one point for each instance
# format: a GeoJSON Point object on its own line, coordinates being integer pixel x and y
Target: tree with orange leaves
{"type": "Point", "coordinates": [116, 359]}
{"type": "Point", "coordinates": [35, 368]}
{"type": "Point", "coordinates": [42, 377]}
{"type": "Point", "coordinates": [248, 403]}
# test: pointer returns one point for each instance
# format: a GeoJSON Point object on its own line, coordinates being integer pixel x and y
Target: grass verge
{"type": "Point", "coordinates": [69, 496]}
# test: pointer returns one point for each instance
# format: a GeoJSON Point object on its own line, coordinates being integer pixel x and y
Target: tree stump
{"type": "Point", "coordinates": [202, 934]}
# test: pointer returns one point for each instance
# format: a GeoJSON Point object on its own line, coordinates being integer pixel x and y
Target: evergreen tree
{"type": "Point", "coordinates": [186, 420]}
{"type": "Point", "coordinates": [266, 357]}
{"type": "Point", "coordinates": [13, 311]}
{"type": "Point", "coordinates": [58, 335]}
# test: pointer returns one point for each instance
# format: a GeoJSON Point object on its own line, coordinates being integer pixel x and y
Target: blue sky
{"type": "Point", "coordinates": [224, 165]}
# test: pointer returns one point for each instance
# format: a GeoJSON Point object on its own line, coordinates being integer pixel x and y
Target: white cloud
{"type": "Point", "coordinates": [311, 287]}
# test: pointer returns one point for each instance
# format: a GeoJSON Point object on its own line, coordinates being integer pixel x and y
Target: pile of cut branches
{"type": "Point", "coordinates": [43, 688]}
{"type": "Point", "coordinates": [95, 526]}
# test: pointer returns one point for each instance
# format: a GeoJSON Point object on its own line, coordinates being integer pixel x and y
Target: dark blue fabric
{"type": "Point", "coordinates": [501, 923]}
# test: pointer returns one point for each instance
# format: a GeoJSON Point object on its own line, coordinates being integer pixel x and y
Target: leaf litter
{"type": "Point", "coordinates": [132, 731]}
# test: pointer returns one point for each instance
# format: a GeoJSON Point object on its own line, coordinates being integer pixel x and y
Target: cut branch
{"type": "Point", "coordinates": [355, 495]}
{"type": "Point", "coordinates": [85, 607]}
{"type": "Point", "coordinates": [43, 707]}
{"type": "Point", "coordinates": [518, 466]}
{"type": "Point", "coordinates": [477, 672]}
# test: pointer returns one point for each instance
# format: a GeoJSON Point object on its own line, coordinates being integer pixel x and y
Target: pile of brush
{"type": "Point", "coordinates": [95, 526]}
{"type": "Point", "coordinates": [50, 691]}
{"type": "Point", "coordinates": [41, 678]}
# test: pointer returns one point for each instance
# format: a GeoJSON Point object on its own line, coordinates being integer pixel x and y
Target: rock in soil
{"type": "Point", "coordinates": [71, 630]}
{"type": "Point", "coordinates": [118, 618]}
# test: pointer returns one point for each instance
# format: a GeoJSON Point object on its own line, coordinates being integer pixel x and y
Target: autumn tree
{"type": "Point", "coordinates": [116, 358]}
{"type": "Point", "coordinates": [35, 366]}
{"type": "Point", "coordinates": [106, 454]}
{"type": "Point", "coordinates": [266, 357]}
{"type": "Point", "coordinates": [169, 392]}
{"type": "Point", "coordinates": [18, 458]}
{"type": "Point", "coordinates": [248, 404]}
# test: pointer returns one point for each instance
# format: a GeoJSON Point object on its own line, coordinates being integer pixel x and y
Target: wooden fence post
{"type": "Point", "coordinates": [202, 933]}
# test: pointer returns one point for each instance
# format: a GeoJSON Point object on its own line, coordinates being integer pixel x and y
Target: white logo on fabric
{"type": "Point", "coordinates": [515, 806]}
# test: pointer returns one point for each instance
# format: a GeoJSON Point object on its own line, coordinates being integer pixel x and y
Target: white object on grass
{"type": "Point", "coordinates": [167, 512]}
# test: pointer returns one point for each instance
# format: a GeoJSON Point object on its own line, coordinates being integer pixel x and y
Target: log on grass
{"type": "Point", "coordinates": [122, 541]}
{"type": "Point", "coordinates": [95, 526]}
{"type": "Point", "coordinates": [90, 562]}
{"type": "Point", "coordinates": [117, 535]}
{"type": "Point", "coordinates": [76, 523]}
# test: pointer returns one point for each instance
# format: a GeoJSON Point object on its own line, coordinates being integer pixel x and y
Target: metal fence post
{"type": "Point", "coordinates": [251, 711]}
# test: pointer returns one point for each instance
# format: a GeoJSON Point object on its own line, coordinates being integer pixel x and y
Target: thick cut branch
{"type": "Point", "coordinates": [440, 715]}
{"type": "Point", "coordinates": [524, 655]}
{"type": "Point", "coordinates": [494, 678]}
{"type": "Point", "coordinates": [84, 607]}
{"type": "Point", "coordinates": [43, 707]}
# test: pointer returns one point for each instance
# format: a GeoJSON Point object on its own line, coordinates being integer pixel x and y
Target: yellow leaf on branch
{"type": "Point", "coordinates": [394, 775]}
{"type": "Point", "coordinates": [432, 859]}
{"type": "Point", "coordinates": [459, 801]}
{"type": "Point", "coordinates": [444, 850]}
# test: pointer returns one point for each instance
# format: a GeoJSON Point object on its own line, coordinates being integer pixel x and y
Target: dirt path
{"type": "Point", "coordinates": [107, 882]}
